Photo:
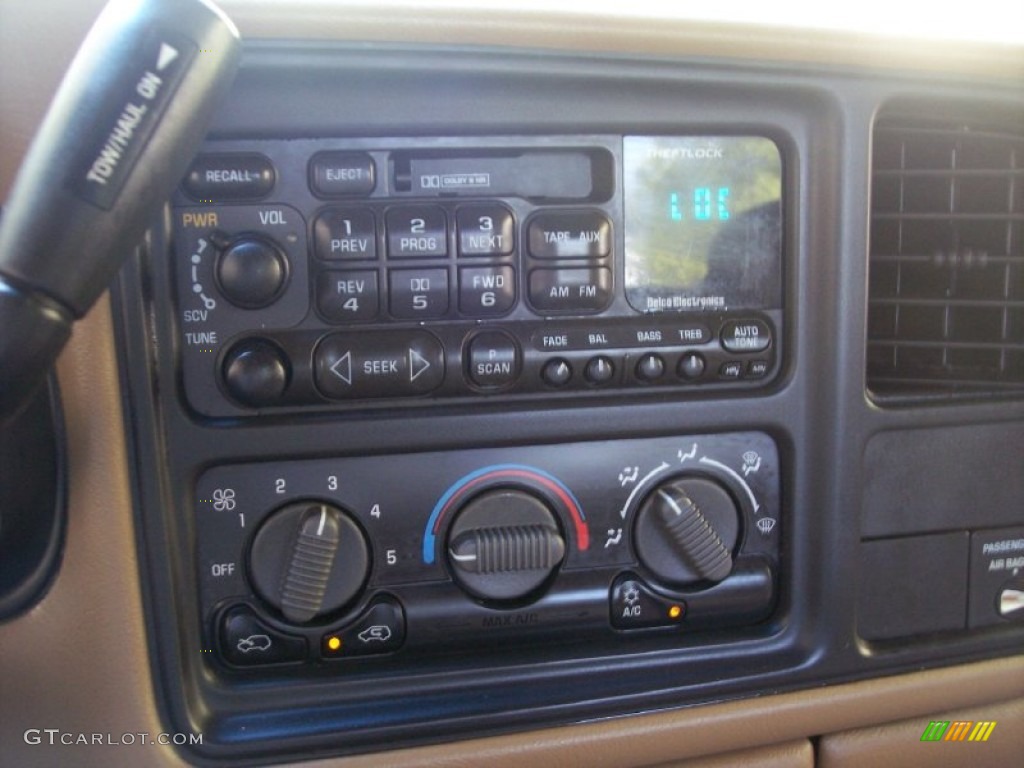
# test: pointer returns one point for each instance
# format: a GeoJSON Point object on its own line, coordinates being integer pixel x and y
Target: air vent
{"type": "Point", "coordinates": [946, 304]}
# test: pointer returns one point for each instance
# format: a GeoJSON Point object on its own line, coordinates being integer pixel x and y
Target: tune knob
{"type": "Point", "coordinates": [252, 271]}
{"type": "Point", "coordinates": [504, 544]}
{"type": "Point", "coordinates": [308, 559]}
{"type": "Point", "coordinates": [686, 531]}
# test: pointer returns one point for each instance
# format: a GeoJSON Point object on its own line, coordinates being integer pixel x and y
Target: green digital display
{"type": "Point", "coordinates": [703, 223]}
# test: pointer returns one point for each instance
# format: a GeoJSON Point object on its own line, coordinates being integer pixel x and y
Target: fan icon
{"type": "Point", "coordinates": [224, 499]}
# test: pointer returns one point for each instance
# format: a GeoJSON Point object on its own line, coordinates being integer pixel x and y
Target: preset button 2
{"type": "Point", "coordinates": [417, 230]}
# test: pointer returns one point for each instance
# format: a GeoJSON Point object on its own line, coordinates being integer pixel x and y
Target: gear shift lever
{"type": "Point", "coordinates": [119, 135]}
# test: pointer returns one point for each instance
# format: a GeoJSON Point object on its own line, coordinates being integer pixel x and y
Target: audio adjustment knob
{"type": "Point", "coordinates": [504, 544]}
{"type": "Point", "coordinates": [308, 559]}
{"type": "Point", "coordinates": [686, 531]}
{"type": "Point", "coordinates": [252, 271]}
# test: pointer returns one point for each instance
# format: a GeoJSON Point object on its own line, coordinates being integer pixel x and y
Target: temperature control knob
{"type": "Point", "coordinates": [686, 531]}
{"type": "Point", "coordinates": [504, 544]}
{"type": "Point", "coordinates": [308, 559]}
{"type": "Point", "coordinates": [252, 271]}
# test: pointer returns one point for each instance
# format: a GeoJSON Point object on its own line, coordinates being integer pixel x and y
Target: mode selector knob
{"type": "Point", "coordinates": [686, 531]}
{"type": "Point", "coordinates": [308, 559]}
{"type": "Point", "coordinates": [504, 544]}
{"type": "Point", "coordinates": [251, 271]}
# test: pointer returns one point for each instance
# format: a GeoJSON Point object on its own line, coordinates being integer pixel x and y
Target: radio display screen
{"type": "Point", "coordinates": [703, 223]}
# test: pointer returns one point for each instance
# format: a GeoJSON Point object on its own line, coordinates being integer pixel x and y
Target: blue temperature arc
{"type": "Point", "coordinates": [497, 470]}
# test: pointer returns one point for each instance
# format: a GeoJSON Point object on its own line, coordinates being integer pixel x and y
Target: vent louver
{"type": "Point", "coordinates": [946, 302]}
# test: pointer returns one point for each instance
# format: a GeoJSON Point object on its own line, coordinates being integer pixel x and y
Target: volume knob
{"type": "Point", "coordinates": [252, 271]}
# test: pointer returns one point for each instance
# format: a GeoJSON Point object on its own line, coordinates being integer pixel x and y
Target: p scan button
{"type": "Point", "coordinates": [493, 360]}
{"type": "Point", "coordinates": [371, 364]}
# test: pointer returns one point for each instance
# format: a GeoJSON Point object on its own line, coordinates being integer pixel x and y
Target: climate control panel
{"type": "Point", "coordinates": [305, 564]}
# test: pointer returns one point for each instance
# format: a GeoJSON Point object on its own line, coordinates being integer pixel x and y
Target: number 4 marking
{"type": "Point", "coordinates": [375, 511]}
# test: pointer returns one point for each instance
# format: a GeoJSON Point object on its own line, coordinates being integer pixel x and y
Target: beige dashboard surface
{"type": "Point", "coordinates": [78, 661]}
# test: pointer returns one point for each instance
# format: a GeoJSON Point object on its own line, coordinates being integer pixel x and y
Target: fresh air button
{"type": "Point", "coordinates": [740, 336]}
{"type": "Point", "coordinates": [485, 230]}
{"type": "Point", "coordinates": [247, 641]}
{"type": "Point", "coordinates": [378, 364]}
{"type": "Point", "coordinates": [345, 233]}
{"type": "Point", "coordinates": [570, 235]}
{"type": "Point", "coordinates": [570, 290]}
{"type": "Point", "coordinates": [493, 360]}
{"type": "Point", "coordinates": [420, 230]}
{"type": "Point", "coordinates": [486, 291]}
{"type": "Point", "coordinates": [343, 296]}
{"type": "Point", "coordinates": [380, 629]}
{"type": "Point", "coordinates": [235, 176]}
{"type": "Point", "coordinates": [418, 293]}
{"type": "Point", "coordinates": [342, 174]}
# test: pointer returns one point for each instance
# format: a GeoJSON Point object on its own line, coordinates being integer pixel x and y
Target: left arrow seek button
{"type": "Point", "coordinates": [378, 364]}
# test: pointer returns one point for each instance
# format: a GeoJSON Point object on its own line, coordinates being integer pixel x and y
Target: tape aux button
{"type": "Point", "coordinates": [570, 235]}
{"type": "Point", "coordinates": [373, 364]}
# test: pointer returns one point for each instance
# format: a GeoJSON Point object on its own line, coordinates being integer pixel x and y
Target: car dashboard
{"type": "Point", "coordinates": [506, 385]}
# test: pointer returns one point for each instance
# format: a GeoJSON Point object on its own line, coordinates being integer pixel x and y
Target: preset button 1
{"type": "Point", "coordinates": [346, 233]}
{"type": "Point", "coordinates": [372, 364]}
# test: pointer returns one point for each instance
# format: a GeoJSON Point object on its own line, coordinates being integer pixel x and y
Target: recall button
{"type": "Point", "coordinates": [342, 174]}
{"type": "Point", "coordinates": [234, 176]}
{"type": "Point", "coordinates": [571, 290]}
{"type": "Point", "coordinates": [746, 336]}
{"type": "Point", "coordinates": [372, 364]}
{"type": "Point", "coordinates": [570, 235]}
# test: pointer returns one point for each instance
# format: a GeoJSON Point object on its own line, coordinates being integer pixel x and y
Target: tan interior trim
{"type": "Point", "coordinates": [900, 744]}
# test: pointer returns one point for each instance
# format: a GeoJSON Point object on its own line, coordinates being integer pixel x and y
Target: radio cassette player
{"type": "Point", "coordinates": [348, 273]}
